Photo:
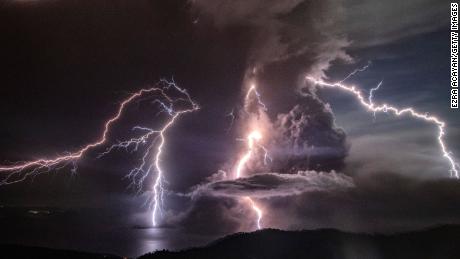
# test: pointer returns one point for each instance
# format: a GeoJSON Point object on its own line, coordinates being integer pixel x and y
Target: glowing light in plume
{"type": "Point", "coordinates": [253, 90]}
{"type": "Point", "coordinates": [252, 139]}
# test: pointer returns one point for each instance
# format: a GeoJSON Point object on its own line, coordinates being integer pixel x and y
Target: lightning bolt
{"type": "Point", "coordinates": [356, 71]}
{"type": "Point", "coordinates": [257, 210]}
{"type": "Point", "coordinates": [252, 137]}
{"type": "Point", "coordinates": [21, 171]}
{"type": "Point", "coordinates": [158, 186]}
{"type": "Point", "coordinates": [371, 94]}
{"type": "Point", "coordinates": [247, 99]}
{"type": "Point", "coordinates": [368, 104]}
{"type": "Point", "coordinates": [252, 140]}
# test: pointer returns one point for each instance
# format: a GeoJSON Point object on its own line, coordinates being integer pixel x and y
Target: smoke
{"type": "Point", "coordinates": [282, 30]}
{"type": "Point", "coordinates": [381, 202]}
{"type": "Point", "coordinates": [269, 185]}
{"type": "Point", "coordinates": [217, 207]}
{"type": "Point", "coordinates": [307, 138]}
{"type": "Point", "coordinates": [288, 39]}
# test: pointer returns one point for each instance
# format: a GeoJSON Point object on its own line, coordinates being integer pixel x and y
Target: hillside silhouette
{"type": "Point", "coordinates": [434, 243]}
{"type": "Point", "coordinates": [439, 242]}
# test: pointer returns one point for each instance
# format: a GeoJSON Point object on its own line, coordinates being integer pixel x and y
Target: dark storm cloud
{"type": "Point", "coordinates": [267, 185]}
{"type": "Point", "coordinates": [307, 136]}
{"type": "Point", "coordinates": [218, 206]}
{"type": "Point", "coordinates": [323, 29]}
{"type": "Point", "coordinates": [83, 56]}
{"type": "Point", "coordinates": [304, 138]}
{"type": "Point", "coordinates": [377, 22]}
{"type": "Point", "coordinates": [290, 38]}
{"type": "Point", "coordinates": [214, 215]}
{"type": "Point", "coordinates": [382, 202]}
{"type": "Point", "coordinates": [418, 153]}
{"type": "Point", "coordinates": [283, 29]}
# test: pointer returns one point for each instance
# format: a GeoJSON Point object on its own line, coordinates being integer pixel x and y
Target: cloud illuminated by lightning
{"type": "Point", "coordinates": [371, 94]}
{"type": "Point", "coordinates": [253, 90]}
{"type": "Point", "coordinates": [371, 106]}
{"type": "Point", "coordinates": [252, 139]}
{"type": "Point", "coordinates": [257, 210]}
{"type": "Point", "coordinates": [21, 171]}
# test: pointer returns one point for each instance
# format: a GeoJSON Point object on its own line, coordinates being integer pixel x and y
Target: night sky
{"type": "Point", "coordinates": [66, 65]}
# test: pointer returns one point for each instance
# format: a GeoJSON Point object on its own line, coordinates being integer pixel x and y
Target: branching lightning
{"type": "Point", "coordinates": [252, 140]}
{"type": "Point", "coordinates": [371, 106]}
{"type": "Point", "coordinates": [371, 94]}
{"type": "Point", "coordinates": [152, 141]}
{"type": "Point", "coordinates": [253, 90]}
{"type": "Point", "coordinates": [356, 71]}
{"type": "Point", "coordinates": [253, 137]}
{"type": "Point", "coordinates": [21, 171]}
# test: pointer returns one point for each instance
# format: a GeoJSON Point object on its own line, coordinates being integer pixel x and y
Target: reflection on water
{"type": "Point", "coordinates": [138, 241]}
{"type": "Point", "coordinates": [152, 239]}
{"type": "Point", "coordinates": [90, 231]}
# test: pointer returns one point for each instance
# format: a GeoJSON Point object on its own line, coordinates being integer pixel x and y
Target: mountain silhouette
{"type": "Point", "coordinates": [434, 243]}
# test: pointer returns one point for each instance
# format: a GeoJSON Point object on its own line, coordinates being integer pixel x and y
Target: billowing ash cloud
{"type": "Point", "coordinates": [283, 29]}
{"type": "Point", "coordinates": [215, 215]}
{"type": "Point", "coordinates": [307, 138]}
{"type": "Point", "coordinates": [218, 207]}
{"type": "Point", "coordinates": [384, 202]}
{"type": "Point", "coordinates": [289, 38]}
{"type": "Point", "coordinates": [269, 185]}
